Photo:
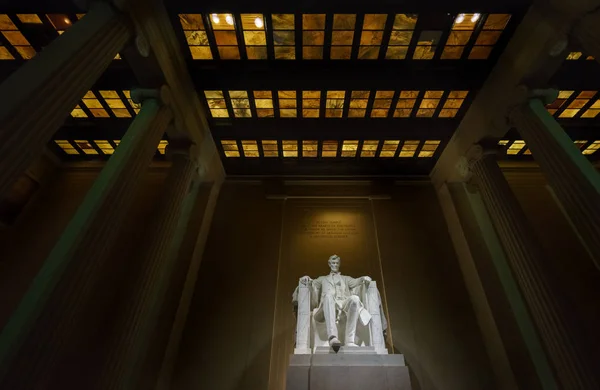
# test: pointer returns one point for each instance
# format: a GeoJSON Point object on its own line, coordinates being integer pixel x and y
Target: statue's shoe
{"type": "Point", "coordinates": [350, 345]}
{"type": "Point", "coordinates": [334, 342]}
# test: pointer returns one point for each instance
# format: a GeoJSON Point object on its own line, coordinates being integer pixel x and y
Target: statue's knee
{"type": "Point", "coordinates": [354, 300]}
{"type": "Point", "coordinates": [330, 296]}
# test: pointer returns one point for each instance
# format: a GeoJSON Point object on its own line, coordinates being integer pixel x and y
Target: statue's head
{"type": "Point", "coordinates": [334, 263]}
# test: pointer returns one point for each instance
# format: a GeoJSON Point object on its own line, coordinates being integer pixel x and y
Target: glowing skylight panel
{"type": "Point", "coordinates": [230, 148]}
{"type": "Point", "coordinates": [428, 149]}
{"type": "Point", "coordinates": [429, 104]}
{"type": "Point", "coordinates": [405, 104]}
{"type": "Point", "coordinates": [223, 26]}
{"type": "Point", "coordinates": [250, 148]}
{"type": "Point", "coordinates": [335, 104]}
{"type": "Point", "coordinates": [255, 39]}
{"type": "Point", "coordinates": [162, 146]}
{"type": "Point", "coordinates": [563, 96]}
{"type": "Point", "coordinates": [409, 148]}
{"type": "Point", "coordinates": [389, 148]}
{"type": "Point", "coordinates": [287, 104]}
{"type": "Point", "coordinates": [270, 148]}
{"type": "Point", "coordinates": [114, 102]}
{"type": "Point", "coordinates": [313, 36]}
{"type": "Point", "coordinates": [195, 35]}
{"type": "Point", "coordinates": [577, 104]}
{"type": "Point", "coordinates": [515, 147]}
{"type": "Point", "coordinates": [462, 29]}
{"type": "Point", "coordinates": [216, 104]}
{"type": "Point", "coordinates": [489, 35]}
{"type": "Point", "coordinates": [16, 39]}
{"type": "Point", "coordinates": [372, 36]}
{"type": "Point", "coordinates": [452, 104]}
{"type": "Point", "coordinates": [311, 103]}
{"type": "Point", "coordinates": [592, 148]}
{"type": "Point", "coordinates": [86, 147]}
{"type": "Point", "coordinates": [349, 148]}
{"type": "Point", "coordinates": [310, 148]}
{"type": "Point", "coordinates": [402, 32]}
{"type": "Point", "coordinates": [358, 104]}
{"type": "Point", "coordinates": [381, 104]}
{"type": "Point", "coordinates": [264, 104]}
{"type": "Point", "coordinates": [66, 147]}
{"type": "Point", "coordinates": [240, 104]}
{"type": "Point", "coordinates": [369, 148]}
{"type": "Point", "coordinates": [427, 44]}
{"type": "Point", "coordinates": [284, 36]}
{"type": "Point", "coordinates": [290, 148]}
{"type": "Point", "coordinates": [342, 36]}
{"type": "Point", "coordinates": [329, 149]}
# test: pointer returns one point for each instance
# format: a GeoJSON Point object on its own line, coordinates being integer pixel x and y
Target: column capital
{"type": "Point", "coordinates": [162, 94]}
{"type": "Point", "coordinates": [180, 147]}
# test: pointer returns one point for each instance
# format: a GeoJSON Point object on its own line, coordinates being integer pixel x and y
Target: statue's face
{"type": "Point", "coordinates": [334, 265]}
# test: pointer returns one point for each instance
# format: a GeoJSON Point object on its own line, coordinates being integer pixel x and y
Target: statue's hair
{"type": "Point", "coordinates": [334, 257]}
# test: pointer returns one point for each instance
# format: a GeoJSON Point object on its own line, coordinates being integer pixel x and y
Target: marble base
{"type": "Point", "coordinates": [349, 369]}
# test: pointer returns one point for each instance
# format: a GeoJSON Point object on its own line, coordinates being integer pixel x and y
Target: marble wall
{"type": "Point", "coordinates": [258, 248]}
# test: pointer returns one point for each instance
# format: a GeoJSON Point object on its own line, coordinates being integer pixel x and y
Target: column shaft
{"type": "Point", "coordinates": [35, 339]}
{"type": "Point", "coordinates": [526, 260]}
{"type": "Point", "coordinates": [39, 96]}
{"type": "Point", "coordinates": [140, 314]}
{"type": "Point", "coordinates": [573, 178]}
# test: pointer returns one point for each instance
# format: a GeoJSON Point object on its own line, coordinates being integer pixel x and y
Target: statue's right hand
{"type": "Point", "coordinates": [305, 280]}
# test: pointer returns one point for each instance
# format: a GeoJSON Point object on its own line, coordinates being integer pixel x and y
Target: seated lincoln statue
{"type": "Point", "coordinates": [336, 299]}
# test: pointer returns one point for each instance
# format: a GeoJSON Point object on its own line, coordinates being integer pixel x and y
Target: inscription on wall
{"type": "Point", "coordinates": [323, 228]}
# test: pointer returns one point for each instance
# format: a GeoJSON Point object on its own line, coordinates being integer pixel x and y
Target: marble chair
{"type": "Point", "coordinates": [311, 334]}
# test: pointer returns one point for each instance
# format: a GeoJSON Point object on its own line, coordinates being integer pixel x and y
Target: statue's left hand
{"type": "Point", "coordinates": [367, 279]}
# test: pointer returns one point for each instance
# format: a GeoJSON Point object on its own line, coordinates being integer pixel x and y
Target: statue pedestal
{"type": "Point", "coordinates": [348, 369]}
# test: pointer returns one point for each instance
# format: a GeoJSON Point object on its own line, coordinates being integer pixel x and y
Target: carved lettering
{"type": "Point", "coordinates": [336, 229]}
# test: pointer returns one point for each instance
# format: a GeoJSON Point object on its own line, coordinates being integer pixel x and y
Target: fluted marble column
{"type": "Point", "coordinates": [37, 98]}
{"type": "Point", "coordinates": [37, 335]}
{"type": "Point", "coordinates": [571, 176]}
{"type": "Point", "coordinates": [526, 259]}
{"type": "Point", "coordinates": [140, 314]}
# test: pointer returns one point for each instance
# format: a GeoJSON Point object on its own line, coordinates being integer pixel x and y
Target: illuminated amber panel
{"type": "Point", "coordinates": [136, 106]}
{"type": "Point", "coordinates": [381, 104]}
{"type": "Point", "coordinates": [290, 148]}
{"type": "Point", "coordinates": [270, 148]}
{"type": "Point", "coordinates": [15, 38]}
{"type": "Point", "coordinates": [405, 104]}
{"type": "Point", "coordinates": [216, 104]}
{"type": "Point", "coordinates": [402, 31]}
{"type": "Point", "coordinates": [334, 106]}
{"type": "Point", "coordinates": [349, 148]}
{"type": "Point", "coordinates": [250, 148]}
{"type": "Point", "coordinates": [580, 143]}
{"type": "Point", "coordinates": [264, 104]}
{"type": "Point", "coordinates": [313, 36]}
{"type": "Point", "coordinates": [503, 142]}
{"type": "Point", "coordinates": [287, 104]}
{"type": "Point", "coordinates": [592, 148]}
{"type": "Point", "coordinates": [105, 147]}
{"type": "Point", "coordinates": [369, 148]}
{"type": "Point", "coordinates": [93, 104]}
{"type": "Point", "coordinates": [427, 44]}
{"type": "Point", "coordinates": [86, 147]}
{"type": "Point", "coordinates": [255, 38]}
{"type": "Point", "coordinates": [162, 146]}
{"type": "Point", "coordinates": [574, 55]}
{"type": "Point", "coordinates": [224, 31]}
{"type": "Point", "coordinates": [562, 98]}
{"type": "Point", "coordinates": [114, 102]}
{"type": "Point", "coordinates": [488, 36]}
{"type": "Point", "coordinates": [29, 18]}
{"type": "Point", "coordinates": [329, 149]}
{"type": "Point", "coordinates": [577, 104]}
{"type": "Point", "coordinates": [429, 104]}
{"type": "Point", "coordinates": [310, 148]}
{"type": "Point", "coordinates": [459, 36]}
{"type": "Point", "coordinates": [409, 148]}
{"type": "Point", "coordinates": [284, 36]}
{"type": "Point", "coordinates": [240, 104]}
{"type": "Point", "coordinates": [5, 54]}
{"type": "Point", "coordinates": [429, 148]}
{"type": "Point", "coordinates": [230, 148]}
{"type": "Point", "coordinates": [195, 35]}
{"type": "Point", "coordinates": [342, 36]}
{"type": "Point", "coordinates": [515, 147]}
{"type": "Point", "coordinates": [593, 110]}
{"type": "Point", "coordinates": [452, 104]}
{"type": "Point", "coordinates": [78, 112]}
{"type": "Point", "coordinates": [389, 148]}
{"type": "Point", "coordinates": [371, 37]}
{"type": "Point", "coordinates": [358, 104]}
{"type": "Point", "coordinates": [66, 147]}
{"type": "Point", "coordinates": [311, 102]}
